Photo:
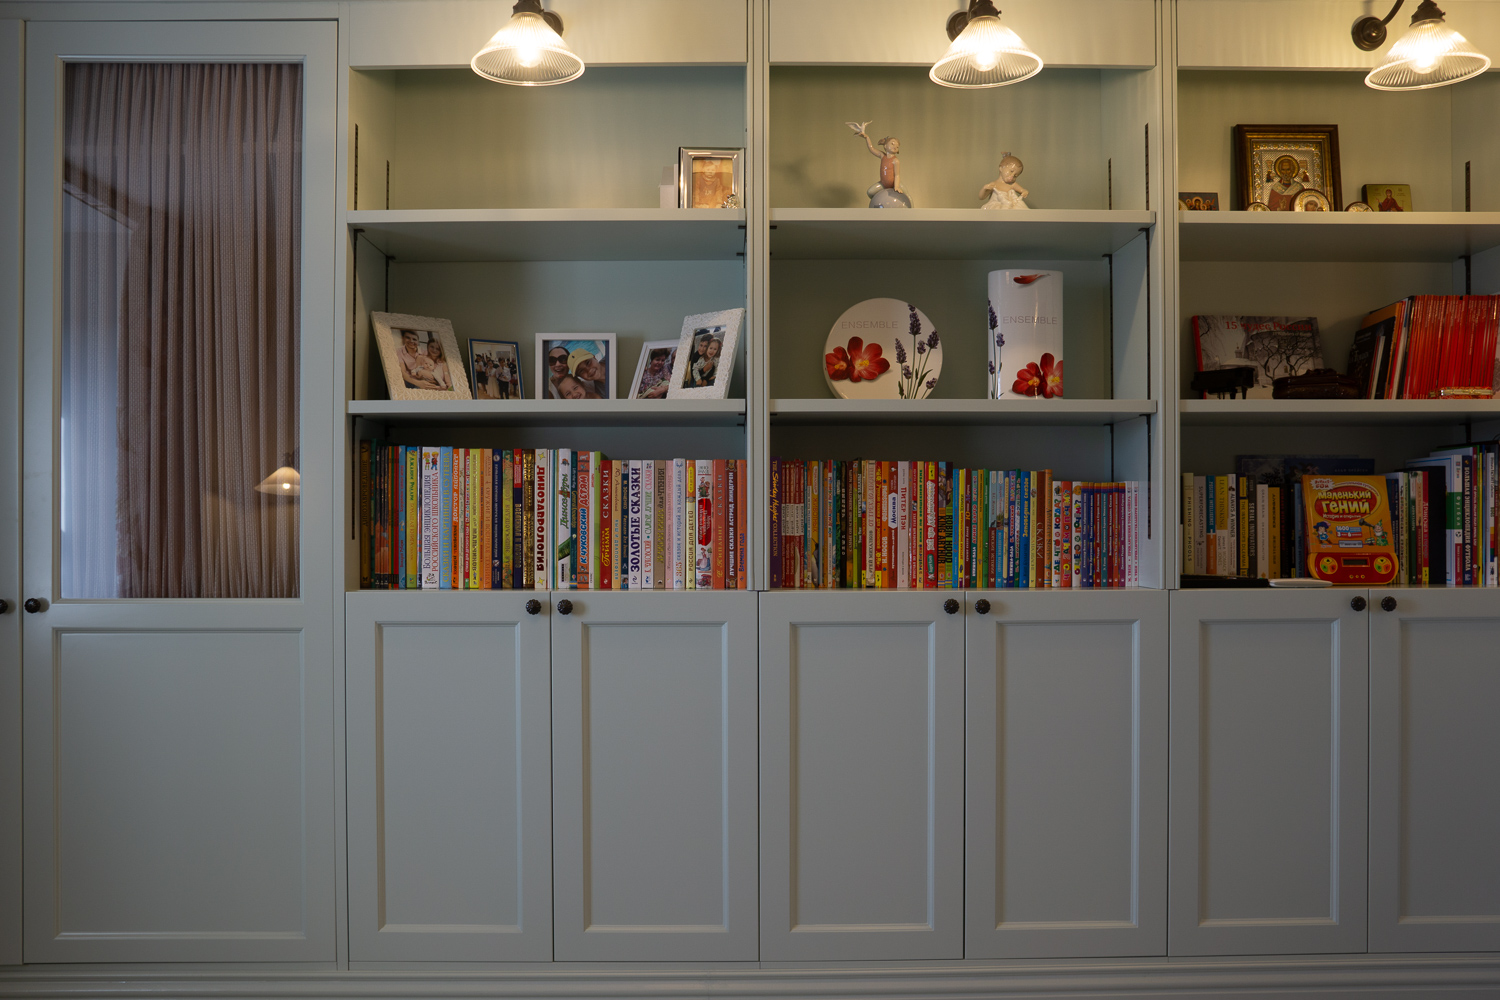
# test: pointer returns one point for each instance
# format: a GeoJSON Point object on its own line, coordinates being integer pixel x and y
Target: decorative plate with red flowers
{"type": "Point", "coordinates": [882, 349]}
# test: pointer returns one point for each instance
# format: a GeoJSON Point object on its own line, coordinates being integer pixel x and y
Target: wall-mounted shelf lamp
{"type": "Point", "coordinates": [1431, 54]}
{"type": "Point", "coordinates": [984, 52]}
{"type": "Point", "coordinates": [529, 51]}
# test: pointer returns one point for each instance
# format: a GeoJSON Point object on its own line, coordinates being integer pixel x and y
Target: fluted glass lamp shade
{"type": "Point", "coordinates": [284, 482]}
{"type": "Point", "coordinates": [1431, 54]}
{"type": "Point", "coordinates": [985, 53]}
{"type": "Point", "coordinates": [529, 51]}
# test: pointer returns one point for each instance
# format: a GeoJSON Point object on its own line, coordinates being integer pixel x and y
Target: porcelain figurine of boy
{"type": "Point", "coordinates": [888, 193]}
{"type": "Point", "coordinates": [1004, 192]}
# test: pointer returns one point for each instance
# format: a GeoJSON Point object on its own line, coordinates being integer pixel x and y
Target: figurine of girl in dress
{"type": "Point", "coordinates": [888, 193]}
{"type": "Point", "coordinates": [1004, 192]}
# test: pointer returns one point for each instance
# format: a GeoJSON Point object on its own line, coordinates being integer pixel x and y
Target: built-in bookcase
{"type": "Point", "coordinates": [1337, 267]}
{"type": "Point", "coordinates": [516, 210]}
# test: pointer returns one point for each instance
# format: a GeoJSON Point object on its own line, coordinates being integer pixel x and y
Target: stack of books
{"type": "Point", "coordinates": [1444, 524]}
{"type": "Point", "coordinates": [440, 518]}
{"type": "Point", "coordinates": [1428, 346]}
{"type": "Point", "coordinates": [875, 524]}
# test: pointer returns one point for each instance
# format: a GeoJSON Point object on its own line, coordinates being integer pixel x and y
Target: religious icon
{"type": "Point", "coordinates": [887, 193]}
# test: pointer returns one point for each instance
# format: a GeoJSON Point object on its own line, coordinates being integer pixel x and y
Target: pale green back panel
{"type": "Point", "coordinates": [1383, 138]}
{"type": "Point", "coordinates": [1340, 295]}
{"type": "Point", "coordinates": [635, 300]}
{"type": "Point", "coordinates": [807, 297]}
{"type": "Point", "coordinates": [1476, 140]}
{"type": "Point", "coordinates": [951, 140]}
{"type": "Point", "coordinates": [599, 142]}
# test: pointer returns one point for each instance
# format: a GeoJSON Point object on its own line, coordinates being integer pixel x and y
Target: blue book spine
{"type": "Point", "coordinates": [1210, 513]}
{"type": "Point", "coordinates": [445, 522]}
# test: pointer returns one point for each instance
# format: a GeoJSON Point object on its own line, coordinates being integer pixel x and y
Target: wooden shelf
{"type": "Point", "coordinates": [556, 412]}
{"type": "Point", "coordinates": [951, 233]}
{"type": "Point", "coordinates": [1338, 236]}
{"type": "Point", "coordinates": [488, 234]}
{"type": "Point", "coordinates": [1088, 412]}
{"type": "Point", "coordinates": [1229, 412]}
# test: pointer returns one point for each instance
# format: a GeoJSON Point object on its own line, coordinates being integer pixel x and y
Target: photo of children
{"type": "Point", "coordinates": [706, 350]}
{"type": "Point", "coordinates": [575, 366]}
{"type": "Point", "coordinates": [496, 366]}
{"type": "Point", "coordinates": [708, 345]}
{"type": "Point", "coordinates": [653, 373]}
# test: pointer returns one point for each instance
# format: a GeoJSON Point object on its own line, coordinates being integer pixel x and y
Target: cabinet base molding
{"type": "Point", "coordinates": [1391, 977]}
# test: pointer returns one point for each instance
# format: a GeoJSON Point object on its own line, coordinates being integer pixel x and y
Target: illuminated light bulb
{"type": "Point", "coordinates": [985, 53]}
{"type": "Point", "coordinates": [1430, 55]}
{"type": "Point", "coordinates": [528, 51]}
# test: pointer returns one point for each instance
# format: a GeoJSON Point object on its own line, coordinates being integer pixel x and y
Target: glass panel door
{"type": "Point", "coordinates": [177, 656]}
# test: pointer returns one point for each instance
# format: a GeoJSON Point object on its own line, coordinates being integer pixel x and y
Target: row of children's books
{"type": "Point", "coordinates": [439, 518]}
{"type": "Point", "coordinates": [1427, 346]}
{"type": "Point", "coordinates": [877, 524]}
{"type": "Point", "coordinates": [1433, 523]}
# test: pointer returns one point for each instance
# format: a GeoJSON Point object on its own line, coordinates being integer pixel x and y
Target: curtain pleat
{"type": "Point", "coordinates": [199, 166]}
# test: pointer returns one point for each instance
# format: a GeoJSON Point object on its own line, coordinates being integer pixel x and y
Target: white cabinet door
{"type": "Point", "coordinates": [1066, 774]}
{"type": "Point", "coordinates": [449, 826]}
{"type": "Point", "coordinates": [1434, 770]}
{"type": "Point", "coordinates": [1268, 770]}
{"type": "Point", "coordinates": [861, 735]}
{"type": "Point", "coordinates": [178, 668]}
{"type": "Point", "coordinates": [654, 768]}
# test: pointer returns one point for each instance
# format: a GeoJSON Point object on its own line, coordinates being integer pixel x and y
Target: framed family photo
{"type": "Point", "coordinates": [653, 372]}
{"type": "Point", "coordinates": [575, 366]}
{"type": "Point", "coordinates": [420, 356]}
{"type": "Point", "coordinates": [496, 367]}
{"type": "Point", "coordinates": [710, 178]}
{"type": "Point", "coordinates": [705, 355]}
{"type": "Point", "coordinates": [1276, 163]}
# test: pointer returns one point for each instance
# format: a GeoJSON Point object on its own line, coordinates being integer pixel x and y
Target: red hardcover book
{"type": "Point", "coordinates": [606, 510]}
{"type": "Point", "coordinates": [732, 523]}
{"type": "Point", "coordinates": [742, 573]}
{"type": "Point", "coordinates": [720, 550]}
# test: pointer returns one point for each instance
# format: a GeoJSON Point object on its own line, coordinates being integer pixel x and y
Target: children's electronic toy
{"type": "Point", "coordinates": [1348, 529]}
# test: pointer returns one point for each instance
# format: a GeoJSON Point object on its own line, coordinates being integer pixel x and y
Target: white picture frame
{"type": "Point", "coordinates": [409, 371]}
{"type": "Point", "coordinates": [652, 353]}
{"type": "Point", "coordinates": [686, 375]}
{"type": "Point", "coordinates": [601, 350]}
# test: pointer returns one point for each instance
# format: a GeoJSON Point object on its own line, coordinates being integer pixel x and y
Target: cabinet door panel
{"type": "Point", "coordinates": [861, 776]}
{"type": "Point", "coordinates": [1435, 771]}
{"type": "Point", "coordinates": [180, 798]}
{"type": "Point", "coordinates": [1066, 775]}
{"type": "Point", "coordinates": [449, 833]}
{"type": "Point", "coordinates": [1268, 772]}
{"type": "Point", "coordinates": [653, 700]}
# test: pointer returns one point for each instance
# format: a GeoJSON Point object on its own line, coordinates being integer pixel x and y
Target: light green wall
{"type": "Point", "coordinates": [599, 142]}
{"type": "Point", "coordinates": [951, 140]}
{"type": "Point", "coordinates": [807, 297]}
{"type": "Point", "coordinates": [635, 300]}
{"type": "Point", "coordinates": [1383, 137]}
{"type": "Point", "coordinates": [1340, 295]}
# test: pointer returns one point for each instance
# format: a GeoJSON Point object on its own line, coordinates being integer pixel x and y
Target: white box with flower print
{"type": "Point", "coordinates": [1026, 334]}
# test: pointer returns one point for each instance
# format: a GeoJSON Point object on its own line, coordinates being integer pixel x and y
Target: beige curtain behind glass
{"type": "Point", "coordinates": [199, 169]}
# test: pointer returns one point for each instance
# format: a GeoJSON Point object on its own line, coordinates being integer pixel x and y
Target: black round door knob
{"type": "Point", "coordinates": [951, 606]}
{"type": "Point", "coordinates": [4, 606]}
{"type": "Point", "coordinates": [982, 606]}
{"type": "Point", "coordinates": [1388, 604]}
{"type": "Point", "coordinates": [1358, 604]}
{"type": "Point", "coordinates": [34, 604]}
{"type": "Point", "coordinates": [533, 607]}
{"type": "Point", "coordinates": [565, 607]}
